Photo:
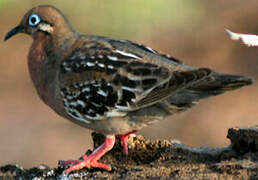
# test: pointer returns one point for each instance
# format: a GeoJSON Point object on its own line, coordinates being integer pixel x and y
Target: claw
{"type": "Point", "coordinates": [88, 164]}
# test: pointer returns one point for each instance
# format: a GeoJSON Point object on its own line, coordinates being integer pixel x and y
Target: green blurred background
{"type": "Point", "coordinates": [191, 30]}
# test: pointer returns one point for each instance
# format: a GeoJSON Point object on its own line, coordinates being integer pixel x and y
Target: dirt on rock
{"type": "Point", "coordinates": [162, 159]}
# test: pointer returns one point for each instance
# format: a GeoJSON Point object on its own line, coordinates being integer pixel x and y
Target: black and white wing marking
{"type": "Point", "coordinates": [94, 100]}
{"type": "Point", "coordinates": [98, 82]}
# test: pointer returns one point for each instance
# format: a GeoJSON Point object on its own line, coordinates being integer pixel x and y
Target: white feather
{"type": "Point", "coordinates": [102, 93]}
{"type": "Point", "coordinates": [127, 54]}
{"type": "Point", "coordinates": [112, 58]}
{"type": "Point", "coordinates": [247, 39]}
{"type": "Point", "coordinates": [90, 64]}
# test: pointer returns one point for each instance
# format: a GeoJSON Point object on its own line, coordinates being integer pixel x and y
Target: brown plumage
{"type": "Point", "coordinates": [111, 86]}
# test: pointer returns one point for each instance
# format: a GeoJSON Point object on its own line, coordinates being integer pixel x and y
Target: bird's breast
{"type": "Point", "coordinates": [43, 75]}
{"type": "Point", "coordinates": [36, 59]}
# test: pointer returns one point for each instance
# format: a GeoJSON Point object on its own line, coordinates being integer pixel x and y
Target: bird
{"type": "Point", "coordinates": [114, 87]}
{"type": "Point", "coordinates": [250, 40]}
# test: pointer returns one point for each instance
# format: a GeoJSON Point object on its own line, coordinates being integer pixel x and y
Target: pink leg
{"type": "Point", "coordinates": [92, 160]}
{"type": "Point", "coordinates": [124, 138]}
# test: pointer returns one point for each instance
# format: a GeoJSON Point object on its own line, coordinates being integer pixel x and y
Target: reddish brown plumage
{"type": "Point", "coordinates": [43, 82]}
{"type": "Point", "coordinates": [36, 58]}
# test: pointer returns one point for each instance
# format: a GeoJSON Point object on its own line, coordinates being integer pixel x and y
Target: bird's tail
{"type": "Point", "coordinates": [215, 84]}
{"type": "Point", "coordinates": [218, 83]}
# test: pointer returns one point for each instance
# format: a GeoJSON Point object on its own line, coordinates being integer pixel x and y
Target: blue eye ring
{"type": "Point", "coordinates": [34, 20]}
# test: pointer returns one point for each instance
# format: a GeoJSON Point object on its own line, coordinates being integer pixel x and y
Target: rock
{"type": "Point", "coordinates": [244, 140]}
{"type": "Point", "coordinates": [162, 159]}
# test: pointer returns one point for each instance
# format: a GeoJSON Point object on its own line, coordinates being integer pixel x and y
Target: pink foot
{"type": "Point", "coordinates": [124, 138]}
{"type": "Point", "coordinates": [92, 160]}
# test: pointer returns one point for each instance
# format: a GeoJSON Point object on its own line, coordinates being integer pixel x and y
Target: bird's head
{"type": "Point", "coordinates": [45, 19]}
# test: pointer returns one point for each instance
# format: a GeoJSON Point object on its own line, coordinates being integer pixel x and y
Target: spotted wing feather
{"type": "Point", "coordinates": [98, 80]}
{"type": "Point", "coordinates": [90, 100]}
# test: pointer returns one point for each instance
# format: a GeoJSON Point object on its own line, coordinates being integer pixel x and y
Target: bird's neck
{"type": "Point", "coordinates": [63, 41]}
{"type": "Point", "coordinates": [56, 43]}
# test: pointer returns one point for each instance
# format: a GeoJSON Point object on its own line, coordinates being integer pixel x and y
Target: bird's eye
{"type": "Point", "coordinates": [34, 20]}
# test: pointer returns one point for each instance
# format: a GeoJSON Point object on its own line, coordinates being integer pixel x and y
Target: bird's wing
{"type": "Point", "coordinates": [98, 80]}
{"type": "Point", "coordinates": [250, 40]}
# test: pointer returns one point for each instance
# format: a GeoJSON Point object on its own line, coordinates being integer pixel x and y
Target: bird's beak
{"type": "Point", "coordinates": [16, 30]}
